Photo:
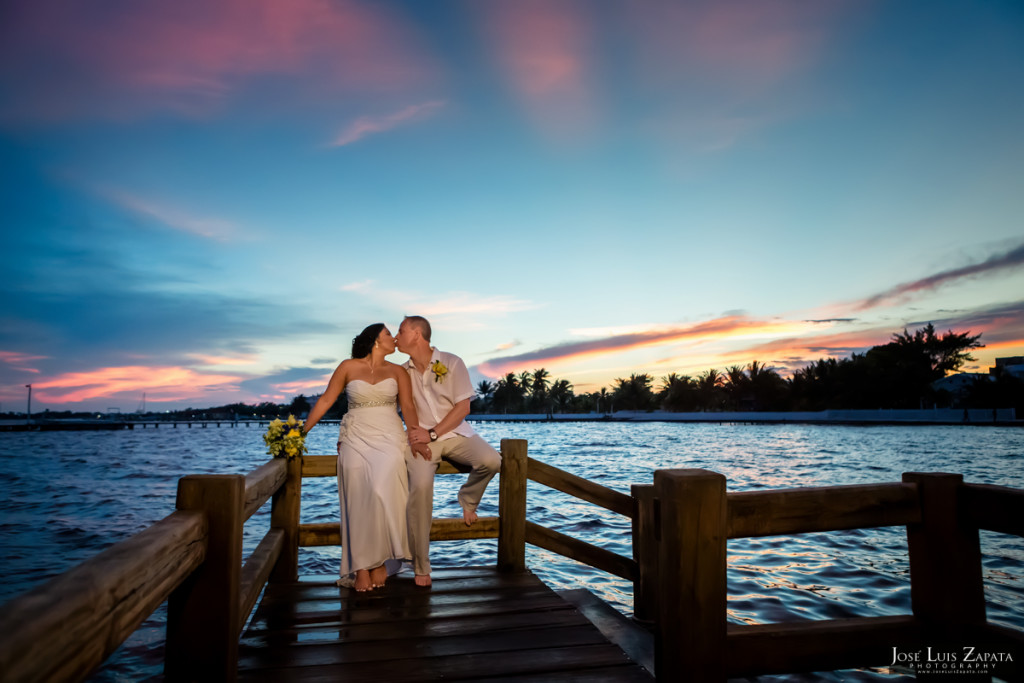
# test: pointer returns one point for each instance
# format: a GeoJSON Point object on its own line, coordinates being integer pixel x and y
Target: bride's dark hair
{"type": "Point", "coordinates": [362, 345]}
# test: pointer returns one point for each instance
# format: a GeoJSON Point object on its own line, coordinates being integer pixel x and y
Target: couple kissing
{"type": "Point", "coordinates": [386, 473]}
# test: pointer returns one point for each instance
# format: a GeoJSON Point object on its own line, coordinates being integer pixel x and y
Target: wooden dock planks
{"type": "Point", "coordinates": [475, 623]}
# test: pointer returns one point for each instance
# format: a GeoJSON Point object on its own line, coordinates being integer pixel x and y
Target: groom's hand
{"type": "Point", "coordinates": [418, 435]}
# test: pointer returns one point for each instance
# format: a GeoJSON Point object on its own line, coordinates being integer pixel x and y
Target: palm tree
{"type": "Point", "coordinates": [634, 393]}
{"type": "Point", "coordinates": [709, 389]}
{"type": "Point", "coordinates": [484, 390]}
{"type": "Point", "coordinates": [561, 394]}
{"type": "Point", "coordinates": [539, 388]}
{"type": "Point", "coordinates": [736, 387]}
{"type": "Point", "coordinates": [676, 392]}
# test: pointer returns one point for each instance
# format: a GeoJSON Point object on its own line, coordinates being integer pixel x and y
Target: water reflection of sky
{"type": "Point", "coordinates": [68, 495]}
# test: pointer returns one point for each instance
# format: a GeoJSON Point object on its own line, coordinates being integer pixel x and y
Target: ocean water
{"type": "Point", "coordinates": [67, 495]}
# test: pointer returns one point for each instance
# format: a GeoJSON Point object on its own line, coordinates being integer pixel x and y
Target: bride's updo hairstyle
{"type": "Point", "coordinates": [362, 345]}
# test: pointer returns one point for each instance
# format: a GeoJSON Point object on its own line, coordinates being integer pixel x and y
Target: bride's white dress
{"type": "Point", "coordinates": [373, 483]}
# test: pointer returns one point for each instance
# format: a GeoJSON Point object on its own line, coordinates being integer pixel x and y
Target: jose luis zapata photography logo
{"type": "Point", "coordinates": [967, 659]}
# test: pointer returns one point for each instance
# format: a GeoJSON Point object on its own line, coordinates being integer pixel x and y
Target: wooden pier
{"type": "Point", "coordinates": [501, 621]}
{"type": "Point", "coordinates": [474, 623]}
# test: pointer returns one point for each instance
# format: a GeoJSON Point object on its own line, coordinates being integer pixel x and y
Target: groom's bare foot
{"type": "Point", "coordinates": [422, 580]}
{"type": "Point", "coordinates": [468, 516]}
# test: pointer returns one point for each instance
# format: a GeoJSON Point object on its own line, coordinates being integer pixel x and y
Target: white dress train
{"type": "Point", "coordinates": [373, 483]}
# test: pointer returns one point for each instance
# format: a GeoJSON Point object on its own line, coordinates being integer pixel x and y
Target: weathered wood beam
{"type": "Point", "coordinates": [690, 641]}
{"type": "Point", "coordinates": [817, 645]}
{"type": "Point", "coordinates": [512, 505]}
{"type": "Point", "coordinates": [66, 627]}
{"type": "Point", "coordinates": [994, 508]}
{"type": "Point", "coordinates": [826, 508]}
{"type": "Point", "coordinates": [329, 533]}
{"type": "Point", "coordinates": [327, 466]}
{"type": "Point", "coordinates": [609, 499]}
{"type": "Point", "coordinates": [202, 612]}
{"type": "Point", "coordinates": [261, 484]}
{"type": "Point", "coordinates": [284, 515]}
{"type": "Point", "coordinates": [575, 549]}
{"type": "Point", "coordinates": [256, 571]}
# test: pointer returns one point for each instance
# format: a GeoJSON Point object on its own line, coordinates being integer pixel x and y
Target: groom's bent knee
{"type": "Point", "coordinates": [487, 461]}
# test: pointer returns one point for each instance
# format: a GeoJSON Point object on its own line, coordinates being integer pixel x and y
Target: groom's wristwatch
{"type": "Point", "coordinates": [433, 435]}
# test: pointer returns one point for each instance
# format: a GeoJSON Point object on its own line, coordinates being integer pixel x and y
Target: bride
{"type": "Point", "coordinates": [373, 483]}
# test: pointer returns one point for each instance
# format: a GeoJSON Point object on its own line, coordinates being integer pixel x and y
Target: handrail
{"type": "Point", "coordinates": [578, 487]}
{"type": "Point", "coordinates": [66, 627]}
{"type": "Point", "coordinates": [826, 508]}
{"type": "Point", "coordinates": [683, 557]}
{"type": "Point", "coordinates": [573, 548]}
{"type": "Point", "coordinates": [261, 484]}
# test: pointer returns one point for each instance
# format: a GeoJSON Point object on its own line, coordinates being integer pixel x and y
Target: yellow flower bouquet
{"type": "Point", "coordinates": [285, 439]}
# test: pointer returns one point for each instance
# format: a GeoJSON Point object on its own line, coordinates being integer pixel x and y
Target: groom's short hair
{"type": "Point", "coordinates": [421, 324]}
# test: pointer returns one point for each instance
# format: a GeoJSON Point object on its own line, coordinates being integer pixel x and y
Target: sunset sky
{"type": "Point", "coordinates": [203, 201]}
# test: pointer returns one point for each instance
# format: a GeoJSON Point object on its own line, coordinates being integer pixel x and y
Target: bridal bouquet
{"type": "Point", "coordinates": [285, 439]}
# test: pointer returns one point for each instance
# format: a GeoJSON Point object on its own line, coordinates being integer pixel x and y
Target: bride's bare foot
{"type": "Point", "coordinates": [363, 582]}
{"type": "Point", "coordinates": [378, 576]}
{"type": "Point", "coordinates": [422, 580]}
{"type": "Point", "coordinates": [468, 516]}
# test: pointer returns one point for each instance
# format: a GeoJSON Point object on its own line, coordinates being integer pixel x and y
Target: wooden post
{"type": "Point", "coordinates": [645, 552]}
{"type": "Point", "coordinates": [512, 506]}
{"type": "Point", "coordinates": [284, 515]}
{"type": "Point", "coordinates": [690, 640]}
{"type": "Point", "coordinates": [202, 613]}
{"type": "Point", "coordinates": [946, 583]}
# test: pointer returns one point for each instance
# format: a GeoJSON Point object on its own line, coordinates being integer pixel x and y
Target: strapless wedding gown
{"type": "Point", "coordinates": [373, 483]}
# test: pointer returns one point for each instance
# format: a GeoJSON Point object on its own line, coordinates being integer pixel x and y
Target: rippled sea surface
{"type": "Point", "coordinates": [67, 495]}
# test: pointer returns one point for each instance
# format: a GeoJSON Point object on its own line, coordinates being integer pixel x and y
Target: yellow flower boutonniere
{"type": "Point", "coordinates": [439, 370]}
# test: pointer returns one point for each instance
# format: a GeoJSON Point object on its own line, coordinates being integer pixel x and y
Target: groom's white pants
{"type": "Point", "coordinates": [471, 451]}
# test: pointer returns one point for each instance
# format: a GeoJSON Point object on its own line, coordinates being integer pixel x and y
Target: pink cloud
{"type": "Point", "coordinates": [543, 51]}
{"type": "Point", "coordinates": [20, 361]}
{"type": "Point", "coordinates": [158, 383]}
{"type": "Point", "coordinates": [369, 125]}
{"type": "Point", "coordinates": [709, 62]}
{"type": "Point", "coordinates": [79, 58]}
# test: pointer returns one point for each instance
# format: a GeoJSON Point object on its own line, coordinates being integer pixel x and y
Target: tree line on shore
{"type": "Point", "coordinates": [898, 374]}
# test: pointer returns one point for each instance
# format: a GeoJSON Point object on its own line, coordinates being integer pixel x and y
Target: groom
{"type": "Point", "coordinates": [442, 390]}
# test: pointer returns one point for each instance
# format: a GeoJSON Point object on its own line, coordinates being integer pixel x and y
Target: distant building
{"type": "Point", "coordinates": [1013, 365]}
{"type": "Point", "coordinates": [960, 383]}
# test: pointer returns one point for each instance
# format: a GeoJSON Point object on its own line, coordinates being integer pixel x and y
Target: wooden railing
{"type": "Point", "coordinates": [65, 628]}
{"type": "Point", "coordinates": [687, 517]}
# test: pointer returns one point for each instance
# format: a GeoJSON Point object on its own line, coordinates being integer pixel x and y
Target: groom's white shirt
{"type": "Point", "coordinates": [435, 397]}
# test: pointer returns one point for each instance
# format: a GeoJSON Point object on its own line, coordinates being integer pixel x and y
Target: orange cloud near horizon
{"type": "Point", "coordinates": [728, 327]}
{"type": "Point", "coordinates": [160, 384]}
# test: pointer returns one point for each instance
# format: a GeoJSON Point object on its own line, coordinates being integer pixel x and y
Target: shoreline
{"type": "Point", "coordinates": [979, 417]}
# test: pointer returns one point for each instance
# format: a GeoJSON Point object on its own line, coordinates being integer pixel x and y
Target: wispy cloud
{"type": "Point", "coordinates": [215, 229]}
{"type": "Point", "coordinates": [447, 304]}
{"type": "Point", "coordinates": [371, 125]}
{"type": "Point", "coordinates": [20, 361]}
{"type": "Point", "coordinates": [1007, 260]}
{"type": "Point", "coordinates": [362, 286]}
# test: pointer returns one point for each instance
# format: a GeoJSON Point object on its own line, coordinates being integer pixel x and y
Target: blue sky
{"type": "Point", "coordinates": [205, 201]}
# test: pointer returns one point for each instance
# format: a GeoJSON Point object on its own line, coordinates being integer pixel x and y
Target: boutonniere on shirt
{"type": "Point", "coordinates": [439, 370]}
